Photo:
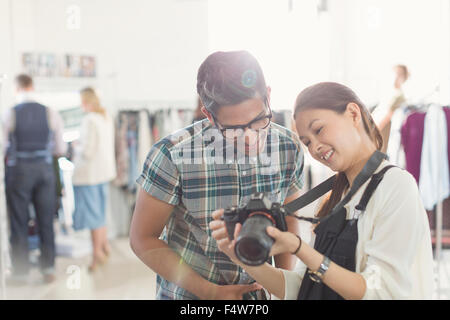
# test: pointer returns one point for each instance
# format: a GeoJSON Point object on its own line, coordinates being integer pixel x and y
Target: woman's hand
{"type": "Point", "coordinates": [284, 241]}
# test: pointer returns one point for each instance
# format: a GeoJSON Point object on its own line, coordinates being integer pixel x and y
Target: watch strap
{"type": "Point", "coordinates": [318, 275]}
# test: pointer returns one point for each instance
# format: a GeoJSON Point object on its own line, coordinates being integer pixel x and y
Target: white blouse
{"type": "Point", "coordinates": [394, 252]}
{"type": "Point", "coordinates": [94, 159]}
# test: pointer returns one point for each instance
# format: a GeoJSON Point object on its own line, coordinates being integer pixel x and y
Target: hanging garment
{"type": "Point", "coordinates": [132, 143]}
{"type": "Point", "coordinates": [447, 117]}
{"type": "Point", "coordinates": [145, 138]}
{"type": "Point", "coordinates": [175, 121]}
{"type": "Point", "coordinates": [395, 150]}
{"type": "Point", "coordinates": [412, 139]}
{"type": "Point", "coordinates": [434, 182]}
{"type": "Point", "coordinates": [121, 150]}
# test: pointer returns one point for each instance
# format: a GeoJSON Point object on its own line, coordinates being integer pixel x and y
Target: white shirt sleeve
{"type": "Point", "coordinates": [292, 282]}
{"type": "Point", "coordinates": [6, 127]}
{"type": "Point", "coordinates": [399, 232]}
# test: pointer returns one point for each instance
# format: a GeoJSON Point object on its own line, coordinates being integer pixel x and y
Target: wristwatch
{"type": "Point", "coordinates": [317, 276]}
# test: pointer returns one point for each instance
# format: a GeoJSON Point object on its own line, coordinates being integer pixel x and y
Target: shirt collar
{"type": "Point", "coordinates": [23, 97]}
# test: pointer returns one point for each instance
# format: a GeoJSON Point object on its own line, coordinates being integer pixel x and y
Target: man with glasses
{"type": "Point", "coordinates": [215, 163]}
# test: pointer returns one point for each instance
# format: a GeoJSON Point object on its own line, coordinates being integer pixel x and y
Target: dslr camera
{"type": "Point", "coordinates": [253, 243]}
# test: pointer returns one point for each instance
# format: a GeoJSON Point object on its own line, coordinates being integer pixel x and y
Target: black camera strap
{"type": "Point", "coordinates": [369, 168]}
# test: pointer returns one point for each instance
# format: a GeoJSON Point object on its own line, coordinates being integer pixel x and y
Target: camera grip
{"type": "Point", "coordinates": [231, 217]}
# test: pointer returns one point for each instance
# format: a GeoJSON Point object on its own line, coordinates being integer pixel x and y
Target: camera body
{"type": "Point", "coordinates": [253, 243]}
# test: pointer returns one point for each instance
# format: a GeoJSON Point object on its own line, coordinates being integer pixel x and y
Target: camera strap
{"type": "Point", "coordinates": [369, 168]}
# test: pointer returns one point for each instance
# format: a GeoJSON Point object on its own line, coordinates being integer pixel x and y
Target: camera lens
{"type": "Point", "coordinates": [253, 243]}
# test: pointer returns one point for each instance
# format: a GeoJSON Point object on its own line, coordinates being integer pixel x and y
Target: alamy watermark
{"type": "Point", "coordinates": [373, 279]}
{"type": "Point", "coordinates": [73, 20]}
{"type": "Point", "coordinates": [73, 281]}
{"type": "Point", "coordinates": [209, 146]}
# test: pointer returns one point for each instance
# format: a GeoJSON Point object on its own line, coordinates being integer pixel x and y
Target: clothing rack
{"type": "Point", "coordinates": [439, 231]}
{"type": "Point", "coordinates": [423, 108]}
{"type": "Point", "coordinates": [134, 138]}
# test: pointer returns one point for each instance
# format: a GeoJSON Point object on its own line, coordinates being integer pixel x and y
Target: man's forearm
{"type": "Point", "coordinates": [159, 257]}
{"type": "Point", "coordinates": [269, 277]}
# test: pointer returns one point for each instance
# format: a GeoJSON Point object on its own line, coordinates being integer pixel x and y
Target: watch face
{"type": "Point", "coordinates": [314, 276]}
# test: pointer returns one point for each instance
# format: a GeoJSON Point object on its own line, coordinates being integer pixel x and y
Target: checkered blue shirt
{"type": "Point", "coordinates": [184, 170]}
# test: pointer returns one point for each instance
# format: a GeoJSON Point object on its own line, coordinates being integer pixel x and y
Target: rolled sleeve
{"type": "Point", "coordinates": [297, 180]}
{"type": "Point", "coordinates": [6, 124]}
{"type": "Point", "coordinates": [160, 177]}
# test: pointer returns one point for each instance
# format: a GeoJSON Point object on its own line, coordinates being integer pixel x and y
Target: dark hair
{"type": "Point", "coordinates": [24, 81]}
{"type": "Point", "coordinates": [228, 78]}
{"type": "Point", "coordinates": [334, 96]}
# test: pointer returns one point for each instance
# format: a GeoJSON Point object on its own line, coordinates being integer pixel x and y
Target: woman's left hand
{"type": "Point", "coordinates": [284, 241]}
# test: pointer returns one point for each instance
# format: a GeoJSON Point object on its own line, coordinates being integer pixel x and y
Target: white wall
{"type": "Point", "coordinates": [5, 50]}
{"type": "Point", "coordinates": [151, 49]}
{"type": "Point", "coordinates": [355, 42]}
{"type": "Point", "coordinates": [369, 37]}
{"type": "Point", "coordinates": [290, 43]}
{"type": "Point", "coordinates": [146, 49]}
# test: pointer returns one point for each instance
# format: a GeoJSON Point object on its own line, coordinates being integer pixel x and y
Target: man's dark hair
{"type": "Point", "coordinates": [228, 78]}
{"type": "Point", "coordinates": [24, 81]}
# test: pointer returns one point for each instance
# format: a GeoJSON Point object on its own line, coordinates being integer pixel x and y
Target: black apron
{"type": "Point", "coordinates": [337, 237]}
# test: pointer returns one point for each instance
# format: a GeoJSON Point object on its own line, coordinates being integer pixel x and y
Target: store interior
{"type": "Point", "coordinates": [142, 57]}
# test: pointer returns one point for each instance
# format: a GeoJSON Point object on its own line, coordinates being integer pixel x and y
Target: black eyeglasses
{"type": "Point", "coordinates": [233, 132]}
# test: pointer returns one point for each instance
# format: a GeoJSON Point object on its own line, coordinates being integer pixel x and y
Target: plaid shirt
{"type": "Point", "coordinates": [183, 170]}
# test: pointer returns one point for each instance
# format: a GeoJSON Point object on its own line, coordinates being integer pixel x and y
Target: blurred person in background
{"type": "Point", "coordinates": [33, 133]}
{"type": "Point", "coordinates": [94, 168]}
{"type": "Point", "coordinates": [383, 113]}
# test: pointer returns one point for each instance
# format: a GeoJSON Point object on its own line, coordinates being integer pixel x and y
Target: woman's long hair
{"type": "Point", "coordinates": [89, 96]}
{"type": "Point", "coordinates": [334, 96]}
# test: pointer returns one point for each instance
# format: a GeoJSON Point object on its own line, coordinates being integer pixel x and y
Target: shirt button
{"type": "Point", "coordinates": [244, 173]}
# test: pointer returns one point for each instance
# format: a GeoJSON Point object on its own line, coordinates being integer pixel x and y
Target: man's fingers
{"type": "Point", "coordinates": [216, 224]}
{"type": "Point", "coordinates": [223, 244]}
{"type": "Point", "coordinates": [220, 234]}
{"type": "Point", "coordinates": [217, 214]}
{"type": "Point", "coordinates": [251, 287]}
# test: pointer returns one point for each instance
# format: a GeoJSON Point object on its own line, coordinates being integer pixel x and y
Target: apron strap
{"type": "Point", "coordinates": [369, 168]}
{"type": "Point", "coordinates": [310, 197]}
{"type": "Point", "coordinates": [373, 184]}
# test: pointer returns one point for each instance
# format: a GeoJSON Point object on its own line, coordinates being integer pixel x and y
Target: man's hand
{"type": "Point", "coordinates": [221, 236]}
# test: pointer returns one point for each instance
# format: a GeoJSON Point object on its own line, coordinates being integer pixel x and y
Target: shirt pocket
{"type": "Point", "coordinates": [206, 188]}
{"type": "Point", "coordinates": [272, 182]}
